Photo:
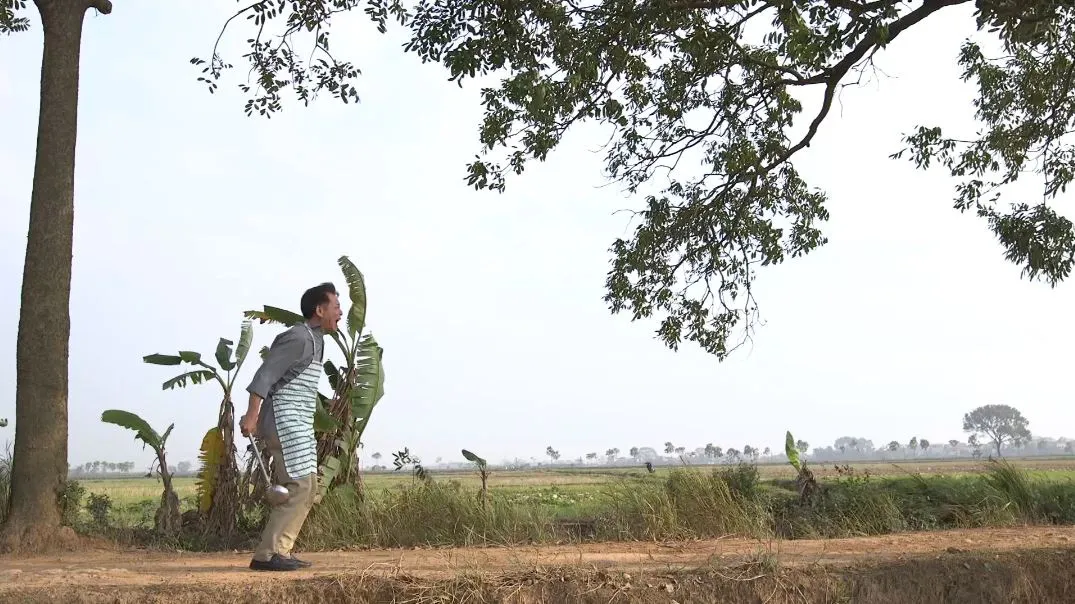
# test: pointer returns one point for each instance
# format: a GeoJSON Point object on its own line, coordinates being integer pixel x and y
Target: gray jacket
{"type": "Point", "coordinates": [289, 355]}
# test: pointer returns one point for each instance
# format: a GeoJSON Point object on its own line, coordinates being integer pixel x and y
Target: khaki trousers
{"type": "Point", "coordinates": [285, 520]}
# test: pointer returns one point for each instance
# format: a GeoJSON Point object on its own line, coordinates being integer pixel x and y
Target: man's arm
{"type": "Point", "coordinates": [286, 350]}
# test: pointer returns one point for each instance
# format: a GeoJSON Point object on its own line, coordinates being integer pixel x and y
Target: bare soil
{"type": "Point", "coordinates": [1031, 564]}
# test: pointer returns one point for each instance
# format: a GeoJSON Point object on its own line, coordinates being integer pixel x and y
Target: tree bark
{"type": "Point", "coordinates": [39, 469]}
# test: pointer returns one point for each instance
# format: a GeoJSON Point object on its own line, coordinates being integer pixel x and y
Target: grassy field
{"type": "Point", "coordinates": [126, 491]}
{"type": "Point", "coordinates": [631, 503]}
{"type": "Point", "coordinates": [129, 491]}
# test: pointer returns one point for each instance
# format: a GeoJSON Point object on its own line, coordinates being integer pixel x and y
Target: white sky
{"type": "Point", "coordinates": [489, 306]}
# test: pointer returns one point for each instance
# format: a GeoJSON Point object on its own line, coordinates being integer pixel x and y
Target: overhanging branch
{"type": "Point", "coordinates": [102, 6]}
{"type": "Point", "coordinates": [832, 76]}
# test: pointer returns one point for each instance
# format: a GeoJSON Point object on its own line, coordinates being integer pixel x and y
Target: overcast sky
{"type": "Point", "coordinates": [489, 306]}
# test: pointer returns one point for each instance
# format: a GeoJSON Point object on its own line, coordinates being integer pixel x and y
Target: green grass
{"type": "Point", "coordinates": [126, 491]}
{"type": "Point", "coordinates": [627, 504]}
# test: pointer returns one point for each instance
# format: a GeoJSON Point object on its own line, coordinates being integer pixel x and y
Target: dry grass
{"type": "Point", "coordinates": [1030, 577]}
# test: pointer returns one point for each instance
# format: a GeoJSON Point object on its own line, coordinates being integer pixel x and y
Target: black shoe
{"type": "Point", "coordinates": [276, 563]}
{"type": "Point", "coordinates": [301, 563]}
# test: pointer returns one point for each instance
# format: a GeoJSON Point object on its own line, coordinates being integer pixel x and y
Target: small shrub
{"type": "Point", "coordinates": [71, 502]}
{"type": "Point", "coordinates": [1057, 502]}
{"type": "Point", "coordinates": [100, 509]}
{"type": "Point", "coordinates": [743, 481]}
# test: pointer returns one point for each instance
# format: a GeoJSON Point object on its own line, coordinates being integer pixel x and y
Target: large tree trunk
{"type": "Point", "coordinates": [40, 461]}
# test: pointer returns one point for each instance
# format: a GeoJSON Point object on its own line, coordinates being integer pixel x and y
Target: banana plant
{"type": "Point", "coordinates": [804, 480]}
{"type": "Point", "coordinates": [483, 473]}
{"type": "Point", "coordinates": [167, 517]}
{"type": "Point", "coordinates": [218, 477]}
{"type": "Point", "coordinates": [358, 385]}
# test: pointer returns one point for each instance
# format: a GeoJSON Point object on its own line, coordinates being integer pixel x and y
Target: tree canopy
{"type": "Point", "coordinates": [700, 97]}
{"type": "Point", "coordinates": [1003, 424]}
{"type": "Point", "coordinates": [703, 95]}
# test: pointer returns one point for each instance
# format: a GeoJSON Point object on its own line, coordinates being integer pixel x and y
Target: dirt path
{"type": "Point", "coordinates": [135, 569]}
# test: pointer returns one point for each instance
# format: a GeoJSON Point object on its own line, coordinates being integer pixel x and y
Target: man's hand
{"type": "Point", "coordinates": [248, 425]}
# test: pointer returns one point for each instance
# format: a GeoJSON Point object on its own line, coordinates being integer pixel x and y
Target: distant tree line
{"type": "Point", "coordinates": [94, 468]}
{"type": "Point", "coordinates": [103, 467]}
{"type": "Point", "coordinates": [990, 430]}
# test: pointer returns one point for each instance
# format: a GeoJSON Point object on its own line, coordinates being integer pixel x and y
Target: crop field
{"type": "Point", "coordinates": [521, 483]}
{"type": "Point", "coordinates": [567, 492]}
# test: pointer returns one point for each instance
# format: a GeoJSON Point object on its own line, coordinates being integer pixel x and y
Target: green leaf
{"type": "Point", "coordinates": [369, 382]}
{"type": "Point", "coordinates": [246, 339]}
{"type": "Point", "coordinates": [143, 431]}
{"type": "Point", "coordinates": [356, 289]}
{"type": "Point", "coordinates": [162, 359]}
{"type": "Point", "coordinates": [329, 469]}
{"type": "Point", "coordinates": [164, 437]}
{"type": "Point", "coordinates": [223, 354]}
{"type": "Point", "coordinates": [473, 458]}
{"type": "Point", "coordinates": [195, 377]}
{"type": "Point", "coordinates": [323, 420]}
{"type": "Point", "coordinates": [264, 352]}
{"type": "Point", "coordinates": [194, 358]}
{"type": "Point", "coordinates": [333, 375]}
{"type": "Point", "coordinates": [792, 452]}
{"type": "Point", "coordinates": [3, 422]}
{"type": "Point", "coordinates": [272, 314]}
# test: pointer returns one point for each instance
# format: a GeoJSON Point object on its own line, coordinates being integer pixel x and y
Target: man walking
{"type": "Point", "coordinates": [283, 397]}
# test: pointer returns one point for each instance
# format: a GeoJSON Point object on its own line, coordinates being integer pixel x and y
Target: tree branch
{"type": "Point", "coordinates": [103, 6]}
{"type": "Point", "coordinates": [831, 77]}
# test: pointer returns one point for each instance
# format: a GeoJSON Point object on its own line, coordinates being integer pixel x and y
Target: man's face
{"type": "Point", "coordinates": [330, 313]}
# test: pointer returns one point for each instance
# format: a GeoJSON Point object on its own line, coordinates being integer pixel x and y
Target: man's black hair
{"type": "Point", "coordinates": [314, 297]}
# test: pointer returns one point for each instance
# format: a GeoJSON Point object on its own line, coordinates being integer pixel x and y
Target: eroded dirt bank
{"type": "Point", "coordinates": [990, 565]}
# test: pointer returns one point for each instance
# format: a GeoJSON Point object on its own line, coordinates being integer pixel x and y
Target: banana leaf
{"type": "Point", "coordinates": [162, 359]}
{"type": "Point", "coordinates": [329, 469]}
{"type": "Point", "coordinates": [143, 431]}
{"type": "Point", "coordinates": [223, 354]}
{"type": "Point", "coordinates": [333, 375]}
{"type": "Point", "coordinates": [473, 458]}
{"type": "Point", "coordinates": [356, 289]}
{"type": "Point", "coordinates": [792, 452]}
{"type": "Point", "coordinates": [194, 377]}
{"type": "Point", "coordinates": [323, 420]}
{"type": "Point", "coordinates": [369, 383]}
{"type": "Point", "coordinates": [209, 455]}
{"type": "Point", "coordinates": [246, 339]}
{"type": "Point", "coordinates": [272, 314]}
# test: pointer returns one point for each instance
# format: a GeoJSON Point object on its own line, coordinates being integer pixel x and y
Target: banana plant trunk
{"type": "Point", "coordinates": [224, 510]}
{"type": "Point", "coordinates": [167, 519]}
